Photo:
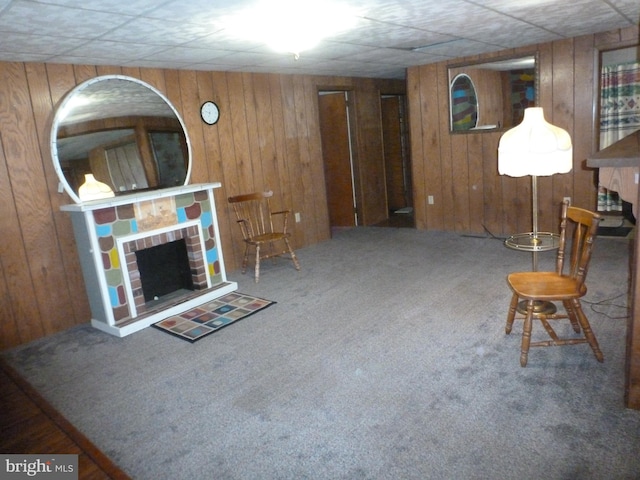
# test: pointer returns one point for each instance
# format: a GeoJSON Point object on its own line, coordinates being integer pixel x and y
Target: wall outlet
{"type": "Point", "coordinates": [566, 199]}
{"type": "Point", "coordinates": [297, 217]}
{"type": "Point", "coordinates": [430, 199]}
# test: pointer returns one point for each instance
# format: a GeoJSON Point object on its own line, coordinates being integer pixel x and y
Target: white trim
{"type": "Point", "coordinates": [131, 198]}
{"type": "Point", "coordinates": [99, 266]}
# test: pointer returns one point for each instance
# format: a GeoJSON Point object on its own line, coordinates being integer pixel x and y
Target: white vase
{"type": "Point", "coordinates": [92, 189]}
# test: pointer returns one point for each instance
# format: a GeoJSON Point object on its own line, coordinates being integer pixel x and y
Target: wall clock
{"type": "Point", "coordinates": [209, 112]}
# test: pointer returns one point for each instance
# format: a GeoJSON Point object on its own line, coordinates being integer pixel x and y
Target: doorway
{"type": "Point", "coordinates": [337, 154]}
{"type": "Point", "coordinates": [397, 161]}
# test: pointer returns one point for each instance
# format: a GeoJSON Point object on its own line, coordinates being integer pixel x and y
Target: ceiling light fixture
{"type": "Point", "coordinates": [291, 26]}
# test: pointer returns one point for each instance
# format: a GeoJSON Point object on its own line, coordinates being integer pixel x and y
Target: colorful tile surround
{"type": "Point", "coordinates": [119, 221]}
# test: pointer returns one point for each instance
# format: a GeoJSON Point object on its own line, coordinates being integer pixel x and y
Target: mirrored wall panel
{"type": "Point", "coordinates": [491, 95]}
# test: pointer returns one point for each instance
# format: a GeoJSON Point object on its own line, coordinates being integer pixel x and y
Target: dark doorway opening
{"type": "Point", "coordinates": [164, 269]}
{"type": "Point", "coordinates": [395, 137]}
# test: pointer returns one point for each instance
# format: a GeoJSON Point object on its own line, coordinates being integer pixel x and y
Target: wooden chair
{"type": "Point", "coordinates": [568, 287]}
{"type": "Point", "coordinates": [254, 215]}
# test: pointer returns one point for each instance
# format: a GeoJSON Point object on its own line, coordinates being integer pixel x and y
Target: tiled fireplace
{"type": "Point", "coordinates": [110, 233]}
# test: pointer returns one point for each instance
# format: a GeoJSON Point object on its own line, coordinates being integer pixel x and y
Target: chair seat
{"type": "Point", "coordinates": [546, 286]}
{"type": "Point", "coordinates": [267, 237]}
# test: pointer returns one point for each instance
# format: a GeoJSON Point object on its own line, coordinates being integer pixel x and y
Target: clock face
{"type": "Point", "coordinates": [209, 112]}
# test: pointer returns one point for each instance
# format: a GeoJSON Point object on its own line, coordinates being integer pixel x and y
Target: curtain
{"type": "Point", "coordinates": [619, 117]}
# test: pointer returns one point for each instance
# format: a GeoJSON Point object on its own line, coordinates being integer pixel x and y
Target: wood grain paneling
{"type": "Point", "coordinates": [36, 262]}
{"type": "Point", "coordinates": [460, 170]}
{"type": "Point", "coordinates": [267, 138]}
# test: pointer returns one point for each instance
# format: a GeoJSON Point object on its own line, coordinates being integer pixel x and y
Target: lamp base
{"type": "Point", "coordinates": [539, 307]}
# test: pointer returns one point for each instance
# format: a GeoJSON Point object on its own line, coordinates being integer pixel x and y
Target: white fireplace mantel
{"type": "Point", "coordinates": [139, 196]}
{"type": "Point", "coordinates": [108, 230]}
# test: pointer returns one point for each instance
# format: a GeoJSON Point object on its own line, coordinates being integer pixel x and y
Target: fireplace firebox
{"type": "Point", "coordinates": [164, 270]}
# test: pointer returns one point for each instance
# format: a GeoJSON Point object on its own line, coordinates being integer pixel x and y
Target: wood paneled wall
{"type": "Point", "coordinates": [267, 138]}
{"type": "Point", "coordinates": [460, 171]}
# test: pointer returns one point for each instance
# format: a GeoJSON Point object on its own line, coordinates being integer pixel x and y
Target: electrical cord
{"type": "Point", "coordinates": [607, 302]}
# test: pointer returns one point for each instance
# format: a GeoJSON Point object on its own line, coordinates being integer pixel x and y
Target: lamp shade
{"type": "Point", "coordinates": [535, 147]}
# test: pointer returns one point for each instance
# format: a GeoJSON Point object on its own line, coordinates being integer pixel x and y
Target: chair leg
{"type": "Point", "coordinates": [245, 260]}
{"type": "Point", "coordinates": [586, 329]}
{"type": "Point", "coordinates": [512, 314]}
{"type": "Point", "coordinates": [271, 255]}
{"type": "Point", "coordinates": [257, 271]}
{"type": "Point", "coordinates": [571, 313]}
{"type": "Point", "coordinates": [293, 255]}
{"type": "Point", "coordinates": [526, 334]}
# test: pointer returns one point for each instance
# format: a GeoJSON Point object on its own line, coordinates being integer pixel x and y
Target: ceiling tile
{"type": "Point", "coordinates": [120, 7]}
{"type": "Point", "coordinates": [388, 36]}
{"type": "Point", "coordinates": [112, 50]}
{"type": "Point", "coordinates": [157, 32]}
{"type": "Point", "coordinates": [41, 19]}
{"type": "Point", "coordinates": [43, 45]}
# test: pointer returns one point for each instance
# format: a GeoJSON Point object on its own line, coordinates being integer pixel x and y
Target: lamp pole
{"type": "Point", "coordinates": [535, 241]}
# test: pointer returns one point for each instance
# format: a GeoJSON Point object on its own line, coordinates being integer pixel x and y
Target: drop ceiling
{"type": "Point", "coordinates": [388, 35]}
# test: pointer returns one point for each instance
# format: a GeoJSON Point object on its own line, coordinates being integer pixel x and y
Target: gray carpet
{"type": "Point", "coordinates": [384, 358]}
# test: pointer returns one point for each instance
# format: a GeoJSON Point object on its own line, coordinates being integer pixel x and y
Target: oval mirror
{"type": "Point", "coordinates": [503, 87]}
{"type": "Point", "coordinates": [122, 131]}
{"type": "Point", "coordinates": [464, 103]}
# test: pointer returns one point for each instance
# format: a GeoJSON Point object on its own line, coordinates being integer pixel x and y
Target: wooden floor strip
{"type": "Point", "coordinates": [31, 425]}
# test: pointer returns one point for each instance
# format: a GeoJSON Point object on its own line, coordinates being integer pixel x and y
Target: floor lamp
{"type": "Point", "coordinates": [535, 148]}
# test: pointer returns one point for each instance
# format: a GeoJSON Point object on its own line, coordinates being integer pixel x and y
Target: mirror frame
{"type": "Point", "coordinates": [452, 74]}
{"type": "Point", "coordinates": [452, 85]}
{"type": "Point", "coordinates": [67, 103]}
